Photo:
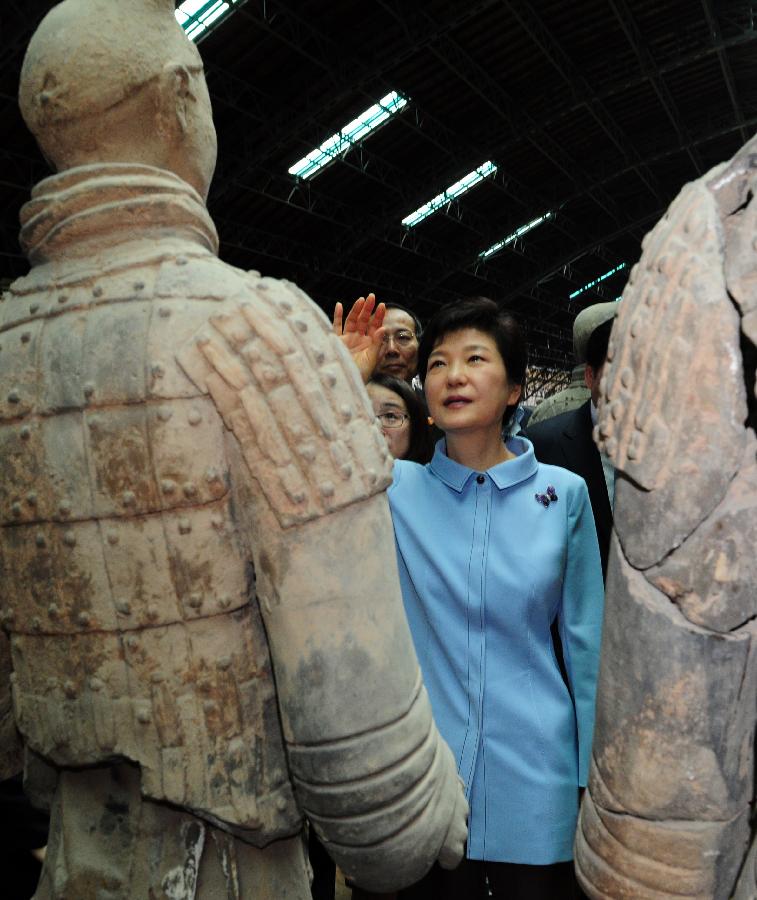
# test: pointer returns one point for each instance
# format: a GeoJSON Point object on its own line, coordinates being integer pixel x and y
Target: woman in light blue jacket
{"type": "Point", "coordinates": [493, 547]}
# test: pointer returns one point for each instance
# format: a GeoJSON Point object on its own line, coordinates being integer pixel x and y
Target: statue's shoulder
{"type": "Point", "coordinates": [291, 395]}
{"type": "Point", "coordinates": [673, 397]}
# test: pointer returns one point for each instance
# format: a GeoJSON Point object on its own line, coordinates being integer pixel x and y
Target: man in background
{"type": "Point", "coordinates": [398, 355]}
{"type": "Point", "coordinates": [576, 392]}
{"type": "Point", "coordinates": [566, 439]}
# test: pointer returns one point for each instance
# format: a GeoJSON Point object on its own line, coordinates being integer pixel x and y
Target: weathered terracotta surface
{"type": "Point", "coordinates": [192, 502]}
{"type": "Point", "coordinates": [11, 749]}
{"type": "Point", "coordinates": [668, 806]}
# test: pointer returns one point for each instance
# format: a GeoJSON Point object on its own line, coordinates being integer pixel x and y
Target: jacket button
{"type": "Point", "coordinates": [480, 479]}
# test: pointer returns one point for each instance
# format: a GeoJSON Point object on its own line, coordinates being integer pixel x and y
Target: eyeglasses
{"type": "Point", "coordinates": [401, 338]}
{"type": "Point", "coordinates": [392, 419]}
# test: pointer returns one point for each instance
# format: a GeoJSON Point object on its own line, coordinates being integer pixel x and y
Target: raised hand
{"type": "Point", "coordinates": [361, 332]}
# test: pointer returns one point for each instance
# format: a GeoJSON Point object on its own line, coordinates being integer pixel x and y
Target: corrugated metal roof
{"type": "Point", "coordinates": [599, 110]}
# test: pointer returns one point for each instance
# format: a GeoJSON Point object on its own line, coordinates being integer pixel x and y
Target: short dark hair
{"type": "Point", "coordinates": [596, 348]}
{"type": "Point", "coordinates": [487, 316]}
{"type": "Point", "coordinates": [404, 309]}
{"type": "Point", "coordinates": [421, 447]}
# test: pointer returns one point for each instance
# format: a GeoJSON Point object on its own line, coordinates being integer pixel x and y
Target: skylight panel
{"type": "Point", "coordinates": [338, 144]}
{"type": "Point", "coordinates": [596, 281]}
{"type": "Point", "coordinates": [197, 17]}
{"type": "Point", "coordinates": [454, 190]}
{"type": "Point", "coordinates": [519, 232]}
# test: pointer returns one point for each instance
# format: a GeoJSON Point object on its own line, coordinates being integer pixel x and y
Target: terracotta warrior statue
{"type": "Point", "coordinates": [667, 813]}
{"type": "Point", "coordinates": [199, 575]}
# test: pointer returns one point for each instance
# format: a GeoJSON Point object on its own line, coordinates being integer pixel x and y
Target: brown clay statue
{"type": "Point", "coordinates": [667, 812]}
{"type": "Point", "coordinates": [200, 584]}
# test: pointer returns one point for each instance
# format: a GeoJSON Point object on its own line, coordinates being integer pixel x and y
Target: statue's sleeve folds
{"type": "Point", "coordinates": [310, 468]}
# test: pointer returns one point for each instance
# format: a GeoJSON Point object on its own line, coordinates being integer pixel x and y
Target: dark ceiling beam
{"type": "Point", "coordinates": [315, 266]}
{"type": "Point", "coordinates": [443, 140]}
{"type": "Point", "coordinates": [231, 90]}
{"type": "Point", "coordinates": [474, 152]}
{"type": "Point", "coordinates": [391, 178]}
{"type": "Point", "coordinates": [305, 194]}
{"type": "Point", "coordinates": [306, 197]}
{"type": "Point", "coordinates": [410, 194]}
{"type": "Point", "coordinates": [449, 53]}
{"type": "Point", "coordinates": [257, 242]}
{"type": "Point", "coordinates": [649, 66]}
{"type": "Point", "coordinates": [376, 168]}
{"type": "Point", "coordinates": [562, 264]}
{"type": "Point", "coordinates": [360, 71]}
{"type": "Point", "coordinates": [725, 67]}
{"type": "Point", "coordinates": [312, 115]}
{"type": "Point", "coordinates": [551, 48]}
{"type": "Point", "coordinates": [24, 18]}
{"type": "Point", "coordinates": [691, 144]}
{"type": "Point", "coordinates": [631, 82]}
{"type": "Point", "coordinates": [22, 171]}
{"type": "Point", "coordinates": [463, 155]}
{"type": "Point", "coordinates": [640, 219]}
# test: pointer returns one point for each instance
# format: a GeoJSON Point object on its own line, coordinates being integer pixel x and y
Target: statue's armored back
{"type": "Point", "coordinates": [668, 808]}
{"type": "Point", "coordinates": [121, 544]}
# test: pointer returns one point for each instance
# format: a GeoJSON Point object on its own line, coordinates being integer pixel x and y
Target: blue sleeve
{"type": "Point", "coordinates": [580, 618]}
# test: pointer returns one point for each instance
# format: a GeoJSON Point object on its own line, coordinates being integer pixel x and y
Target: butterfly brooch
{"type": "Point", "coordinates": [549, 497]}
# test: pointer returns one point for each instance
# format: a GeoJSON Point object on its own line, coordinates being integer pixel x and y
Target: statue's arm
{"type": "Point", "coordinates": [370, 769]}
{"type": "Point", "coordinates": [310, 467]}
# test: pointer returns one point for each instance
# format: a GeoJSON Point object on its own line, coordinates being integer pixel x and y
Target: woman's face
{"type": "Point", "coordinates": [391, 411]}
{"type": "Point", "coordinates": [467, 387]}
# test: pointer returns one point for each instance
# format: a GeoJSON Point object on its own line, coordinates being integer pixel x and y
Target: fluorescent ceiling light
{"type": "Point", "coordinates": [519, 232]}
{"type": "Point", "coordinates": [197, 16]}
{"type": "Point", "coordinates": [596, 281]}
{"type": "Point", "coordinates": [338, 144]}
{"type": "Point", "coordinates": [454, 190]}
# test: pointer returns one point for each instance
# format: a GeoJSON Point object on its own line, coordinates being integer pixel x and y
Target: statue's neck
{"type": "Point", "coordinates": [101, 208]}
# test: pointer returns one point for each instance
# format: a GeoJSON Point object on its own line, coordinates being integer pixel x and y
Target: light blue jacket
{"type": "Point", "coordinates": [485, 569]}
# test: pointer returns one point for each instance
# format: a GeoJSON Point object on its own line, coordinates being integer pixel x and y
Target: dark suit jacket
{"type": "Point", "coordinates": [566, 441]}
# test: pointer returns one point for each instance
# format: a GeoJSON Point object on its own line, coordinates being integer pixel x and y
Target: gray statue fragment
{"type": "Point", "coordinates": [192, 474]}
{"type": "Point", "coordinates": [667, 812]}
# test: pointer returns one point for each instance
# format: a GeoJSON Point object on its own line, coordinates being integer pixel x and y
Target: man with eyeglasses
{"type": "Point", "coordinates": [398, 355]}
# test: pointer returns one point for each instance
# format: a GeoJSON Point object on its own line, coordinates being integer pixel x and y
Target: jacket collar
{"type": "Point", "coordinates": [504, 474]}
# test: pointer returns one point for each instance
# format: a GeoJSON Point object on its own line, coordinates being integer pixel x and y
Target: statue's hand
{"type": "Point", "coordinates": [362, 332]}
{"type": "Point", "coordinates": [453, 847]}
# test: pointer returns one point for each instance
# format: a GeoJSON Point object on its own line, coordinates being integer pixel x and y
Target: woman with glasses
{"type": "Point", "coordinates": [402, 417]}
